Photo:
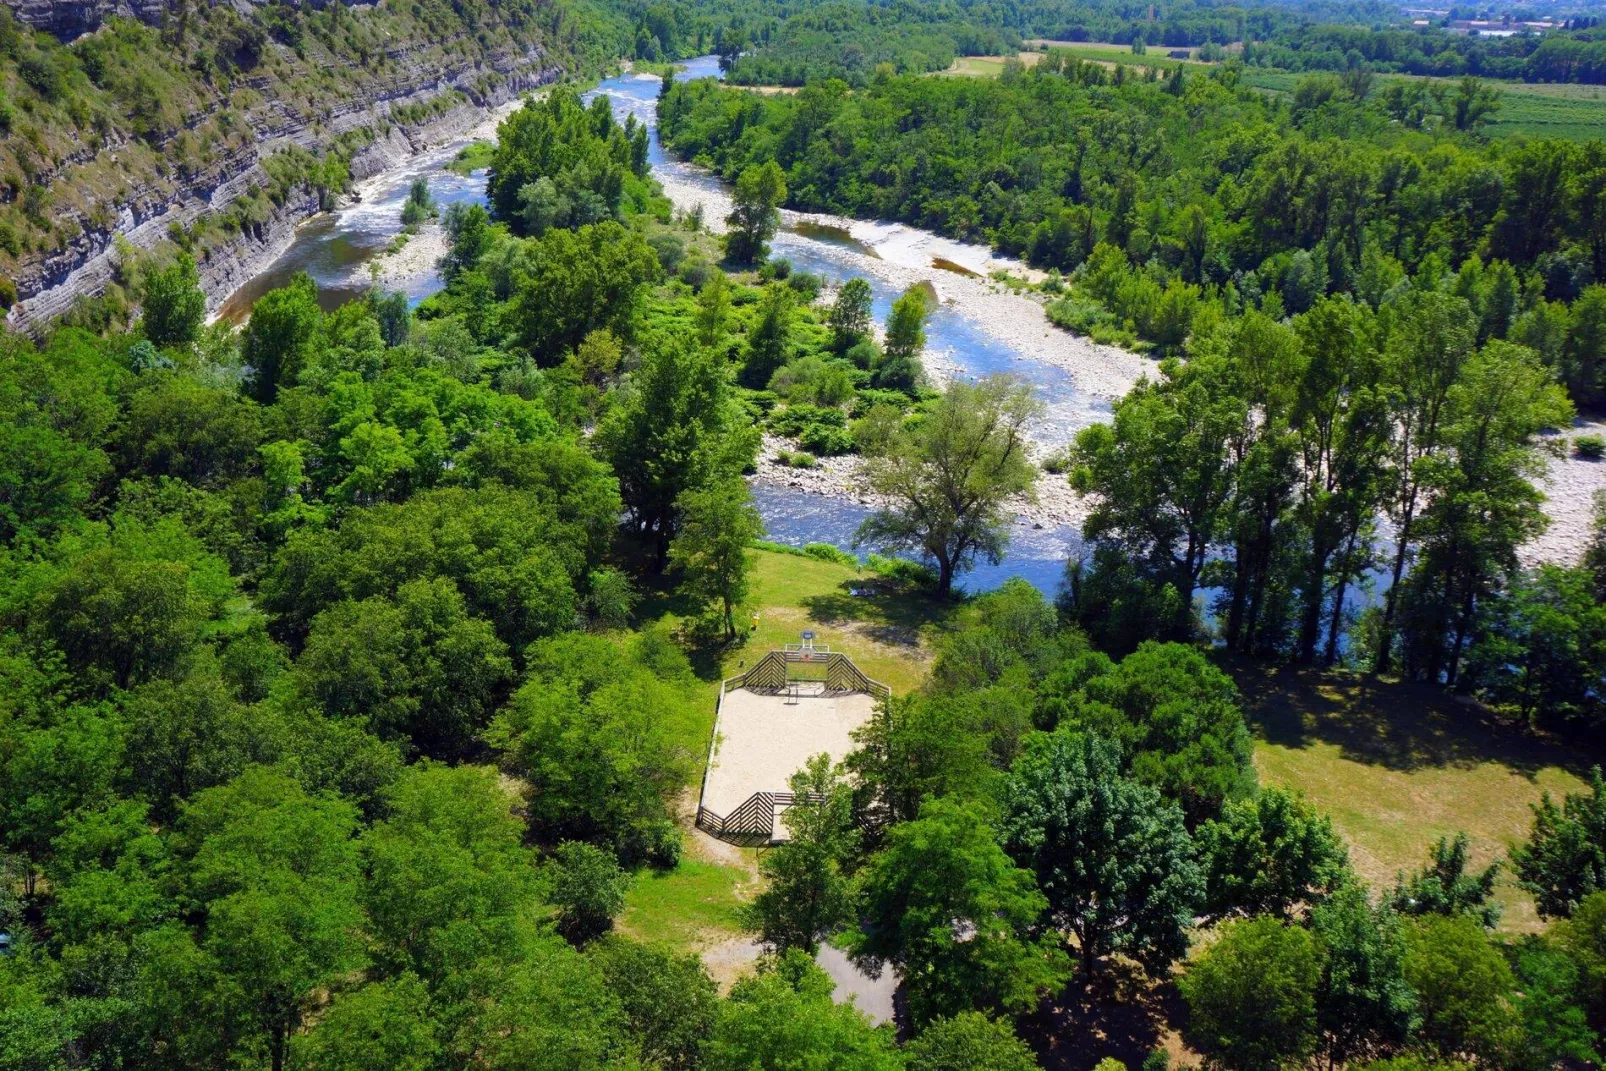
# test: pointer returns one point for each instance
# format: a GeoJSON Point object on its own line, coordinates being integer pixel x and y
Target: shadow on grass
{"type": "Point", "coordinates": [1119, 1013]}
{"type": "Point", "coordinates": [888, 612]}
{"type": "Point", "coordinates": [1398, 725]}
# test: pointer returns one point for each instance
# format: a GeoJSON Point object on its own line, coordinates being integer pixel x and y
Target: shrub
{"type": "Point", "coordinates": [825, 439]}
{"type": "Point", "coordinates": [826, 552]}
{"type": "Point", "coordinates": [903, 571]}
{"type": "Point", "coordinates": [671, 251]}
{"type": "Point", "coordinates": [694, 272]}
{"type": "Point", "coordinates": [795, 460]}
{"type": "Point", "coordinates": [792, 420]}
{"type": "Point", "coordinates": [1591, 447]}
{"type": "Point", "coordinates": [806, 284]}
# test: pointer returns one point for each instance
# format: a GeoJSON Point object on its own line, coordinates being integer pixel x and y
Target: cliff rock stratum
{"type": "Point", "coordinates": [214, 128]}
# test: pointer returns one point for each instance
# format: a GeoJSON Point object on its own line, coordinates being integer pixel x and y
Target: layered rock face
{"type": "Point", "coordinates": [68, 19]}
{"type": "Point", "coordinates": [49, 285]}
{"type": "Point", "coordinates": [150, 191]}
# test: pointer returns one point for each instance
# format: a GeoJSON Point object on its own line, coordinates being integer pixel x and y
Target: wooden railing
{"type": "Point", "coordinates": [754, 821]}
{"type": "Point", "coordinates": [772, 673]}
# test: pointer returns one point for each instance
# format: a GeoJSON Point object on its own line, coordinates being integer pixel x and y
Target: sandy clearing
{"type": "Point", "coordinates": [765, 739]}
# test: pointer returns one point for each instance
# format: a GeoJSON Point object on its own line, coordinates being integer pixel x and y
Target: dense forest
{"type": "Point", "coordinates": [1378, 323]}
{"type": "Point", "coordinates": [356, 662]}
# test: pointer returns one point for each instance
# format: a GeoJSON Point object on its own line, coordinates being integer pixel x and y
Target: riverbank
{"type": "Point", "coordinates": [902, 256]}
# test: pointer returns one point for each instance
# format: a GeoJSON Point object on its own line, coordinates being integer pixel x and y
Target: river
{"type": "Point", "coordinates": [335, 249]}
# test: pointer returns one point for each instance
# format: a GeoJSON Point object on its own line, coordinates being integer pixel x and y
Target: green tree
{"type": "Point", "coordinates": [1564, 861]}
{"type": "Point", "coordinates": [602, 742]}
{"type": "Point", "coordinates": [670, 1002]}
{"type": "Point", "coordinates": [447, 861]}
{"type": "Point", "coordinates": [968, 1041]}
{"type": "Point", "coordinates": [1161, 472]}
{"type": "Point", "coordinates": [1541, 647]}
{"type": "Point", "coordinates": [947, 478]}
{"type": "Point", "coordinates": [1341, 424]}
{"type": "Point", "coordinates": [278, 341]}
{"type": "Point", "coordinates": [541, 1006]}
{"type": "Point", "coordinates": [849, 318]}
{"type": "Point", "coordinates": [1174, 715]}
{"type": "Point", "coordinates": [899, 367]}
{"type": "Point", "coordinates": [718, 524]}
{"type": "Point", "coordinates": [1429, 339]}
{"type": "Point", "coordinates": [1363, 1005]}
{"type": "Point", "coordinates": [1483, 503]}
{"type": "Point", "coordinates": [785, 1017]}
{"type": "Point", "coordinates": [419, 668]}
{"type": "Point", "coordinates": [1555, 1021]}
{"type": "Point", "coordinates": [1444, 887]}
{"type": "Point", "coordinates": [769, 341]}
{"type": "Point", "coordinates": [1111, 855]}
{"type": "Point", "coordinates": [672, 429]}
{"type": "Point", "coordinates": [713, 310]}
{"type": "Point", "coordinates": [808, 895]}
{"type": "Point", "coordinates": [173, 305]}
{"type": "Point", "coordinates": [575, 282]}
{"type": "Point", "coordinates": [588, 888]}
{"type": "Point", "coordinates": [275, 872]}
{"type": "Point", "coordinates": [383, 1026]}
{"type": "Point", "coordinates": [946, 907]}
{"type": "Point", "coordinates": [188, 734]}
{"type": "Point", "coordinates": [1269, 854]}
{"type": "Point", "coordinates": [760, 190]}
{"type": "Point", "coordinates": [1463, 987]}
{"type": "Point", "coordinates": [1252, 996]}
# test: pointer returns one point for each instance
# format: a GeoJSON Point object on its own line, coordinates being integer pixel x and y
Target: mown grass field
{"type": "Point", "coordinates": [1400, 765]}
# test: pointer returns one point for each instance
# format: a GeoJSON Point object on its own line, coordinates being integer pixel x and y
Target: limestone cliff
{"type": "Point", "coordinates": [220, 135]}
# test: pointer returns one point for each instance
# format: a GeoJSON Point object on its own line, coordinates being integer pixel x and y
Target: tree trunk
{"type": "Point", "coordinates": [1336, 621]}
{"type": "Point", "coordinates": [945, 577]}
{"type": "Point", "coordinates": [1385, 639]}
{"type": "Point", "coordinates": [1315, 596]}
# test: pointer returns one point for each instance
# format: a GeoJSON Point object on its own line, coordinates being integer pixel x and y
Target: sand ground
{"type": "Point", "coordinates": [764, 739]}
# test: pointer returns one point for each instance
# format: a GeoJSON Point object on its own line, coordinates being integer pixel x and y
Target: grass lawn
{"type": "Point", "coordinates": [888, 633]}
{"type": "Point", "coordinates": [1400, 765]}
{"type": "Point", "coordinates": [690, 907]}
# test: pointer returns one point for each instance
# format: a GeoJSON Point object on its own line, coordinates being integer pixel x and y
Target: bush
{"type": "Point", "coordinates": [869, 398]}
{"type": "Point", "coordinates": [1590, 447]}
{"type": "Point", "coordinates": [825, 552]}
{"type": "Point", "coordinates": [825, 439]}
{"type": "Point", "coordinates": [795, 460]}
{"type": "Point", "coordinates": [671, 251]}
{"type": "Point", "coordinates": [695, 272]}
{"type": "Point", "coordinates": [792, 420]}
{"type": "Point", "coordinates": [902, 571]}
{"type": "Point", "coordinates": [806, 284]}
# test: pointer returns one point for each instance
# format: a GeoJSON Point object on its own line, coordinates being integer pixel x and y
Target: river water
{"type": "Point", "coordinates": [335, 248]}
